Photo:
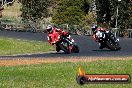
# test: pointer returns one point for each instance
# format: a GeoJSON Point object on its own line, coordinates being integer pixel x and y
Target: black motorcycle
{"type": "Point", "coordinates": [107, 40]}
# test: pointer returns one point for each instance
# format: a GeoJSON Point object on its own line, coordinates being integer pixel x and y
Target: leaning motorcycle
{"type": "Point", "coordinates": [108, 40]}
{"type": "Point", "coordinates": [64, 43]}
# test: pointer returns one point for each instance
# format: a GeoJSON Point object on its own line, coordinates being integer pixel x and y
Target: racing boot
{"type": "Point", "coordinates": [58, 49]}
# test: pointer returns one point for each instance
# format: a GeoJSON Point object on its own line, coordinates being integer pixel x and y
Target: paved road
{"type": "Point", "coordinates": [87, 46]}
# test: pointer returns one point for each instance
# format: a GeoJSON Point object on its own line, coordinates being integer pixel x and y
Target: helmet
{"type": "Point", "coordinates": [94, 27]}
{"type": "Point", "coordinates": [49, 28]}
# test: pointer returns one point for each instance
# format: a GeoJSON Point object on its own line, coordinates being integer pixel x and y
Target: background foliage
{"type": "Point", "coordinates": [34, 9]}
{"type": "Point", "coordinates": [78, 12]}
{"type": "Point", "coordinates": [106, 12]}
{"type": "Point", "coordinates": [69, 11]}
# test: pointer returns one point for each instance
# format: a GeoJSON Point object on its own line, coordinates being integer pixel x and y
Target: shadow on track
{"type": "Point", "coordinates": [105, 50]}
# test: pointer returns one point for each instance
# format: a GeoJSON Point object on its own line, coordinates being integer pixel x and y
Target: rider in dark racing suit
{"type": "Point", "coordinates": [95, 28]}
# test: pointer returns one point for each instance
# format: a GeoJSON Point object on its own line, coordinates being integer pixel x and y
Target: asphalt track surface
{"type": "Point", "coordinates": [88, 48]}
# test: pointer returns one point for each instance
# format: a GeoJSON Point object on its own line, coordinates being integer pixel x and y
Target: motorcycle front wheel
{"type": "Point", "coordinates": [75, 49]}
{"type": "Point", "coordinates": [113, 45]}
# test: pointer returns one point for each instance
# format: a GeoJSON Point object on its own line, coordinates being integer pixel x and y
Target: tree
{"type": "Point", "coordinates": [106, 12]}
{"type": "Point", "coordinates": [124, 13]}
{"type": "Point", "coordinates": [86, 6]}
{"type": "Point", "coordinates": [34, 9]}
{"type": "Point", "coordinates": [69, 11]}
{"type": "Point", "coordinates": [103, 11]}
{"type": "Point", "coordinates": [88, 20]}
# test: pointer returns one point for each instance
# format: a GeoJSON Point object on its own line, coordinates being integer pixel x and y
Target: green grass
{"type": "Point", "coordinates": [10, 46]}
{"type": "Point", "coordinates": [61, 75]}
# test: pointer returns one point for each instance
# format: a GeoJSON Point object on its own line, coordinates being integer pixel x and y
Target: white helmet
{"type": "Point", "coordinates": [94, 27]}
{"type": "Point", "coordinates": [49, 28]}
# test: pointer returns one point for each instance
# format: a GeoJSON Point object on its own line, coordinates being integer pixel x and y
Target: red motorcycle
{"type": "Point", "coordinates": [64, 43]}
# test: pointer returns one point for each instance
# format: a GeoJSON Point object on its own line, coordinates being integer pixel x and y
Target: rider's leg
{"type": "Point", "coordinates": [57, 48]}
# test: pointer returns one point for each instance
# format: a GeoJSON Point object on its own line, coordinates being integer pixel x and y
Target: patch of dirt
{"type": "Point", "coordinates": [29, 61]}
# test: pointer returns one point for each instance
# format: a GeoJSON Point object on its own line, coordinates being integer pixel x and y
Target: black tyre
{"type": "Point", "coordinates": [118, 47]}
{"type": "Point", "coordinates": [113, 45]}
{"type": "Point", "coordinates": [65, 47]}
{"type": "Point", "coordinates": [75, 49]}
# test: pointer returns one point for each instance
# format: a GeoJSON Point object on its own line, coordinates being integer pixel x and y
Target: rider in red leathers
{"type": "Point", "coordinates": [53, 31]}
